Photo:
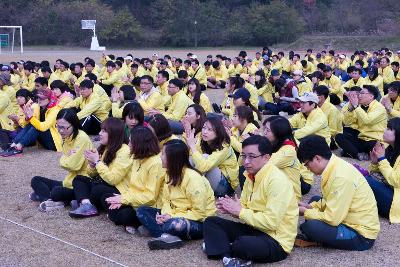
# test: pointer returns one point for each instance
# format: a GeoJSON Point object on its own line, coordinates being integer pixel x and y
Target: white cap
{"type": "Point", "coordinates": [298, 72]}
{"type": "Point", "coordinates": [342, 56]}
{"type": "Point", "coordinates": [193, 57]}
{"type": "Point", "coordinates": [128, 57]}
{"type": "Point", "coordinates": [155, 55]}
{"type": "Point", "coordinates": [308, 96]}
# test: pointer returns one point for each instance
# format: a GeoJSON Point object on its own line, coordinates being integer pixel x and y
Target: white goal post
{"type": "Point", "coordinates": [13, 37]}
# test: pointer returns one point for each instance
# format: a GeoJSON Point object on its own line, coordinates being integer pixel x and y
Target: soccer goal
{"type": "Point", "coordinates": [8, 38]}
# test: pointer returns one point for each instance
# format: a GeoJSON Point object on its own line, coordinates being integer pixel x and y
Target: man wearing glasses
{"type": "Point", "coordinates": [150, 98]}
{"type": "Point", "coordinates": [267, 209]}
{"type": "Point", "coordinates": [370, 119]}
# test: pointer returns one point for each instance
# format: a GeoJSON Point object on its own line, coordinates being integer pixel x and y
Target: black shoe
{"type": "Point", "coordinates": [12, 151]}
{"type": "Point", "coordinates": [216, 108]}
{"type": "Point", "coordinates": [165, 241]}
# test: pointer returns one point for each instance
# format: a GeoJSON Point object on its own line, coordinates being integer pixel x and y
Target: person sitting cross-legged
{"type": "Point", "coordinates": [346, 216]}
{"type": "Point", "coordinates": [267, 207]}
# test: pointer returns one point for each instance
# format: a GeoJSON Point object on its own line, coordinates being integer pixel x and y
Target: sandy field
{"type": "Point", "coordinates": [32, 238]}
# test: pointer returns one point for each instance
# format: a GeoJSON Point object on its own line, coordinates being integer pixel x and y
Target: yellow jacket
{"type": "Point", "coordinates": [117, 171]}
{"type": "Point", "coordinates": [335, 86]}
{"type": "Point", "coordinates": [29, 82]}
{"type": "Point", "coordinates": [221, 74]}
{"type": "Point", "coordinates": [145, 185]}
{"type": "Point", "coordinates": [224, 159]}
{"type": "Point", "coordinates": [237, 136]}
{"type": "Point", "coordinates": [204, 102]}
{"type": "Point", "coordinates": [153, 100]}
{"type": "Point", "coordinates": [392, 176]}
{"type": "Point", "coordinates": [334, 116]}
{"type": "Point", "coordinates": [347, 199]}
{"type": "Point", "coordinates": [387, 74]}
{"type": "Point", "coordinates": [103, 96]}
{"type": "Point", "coordinates": [378, 82]}
{"type": "Point", "coordinates": [114, 78]}
{"type": "Point", "coordinates": [253, 94]}
{"type": "Point", "coordinates": [266, 92]}
{"type": "Point", "coordinates": [372, 123]}
{"type": "Point", "coordinates": [193, 199]}
{"type": "Point", "coordinates": [5, 110]}
{"type": "Point", "coordinates": [88, 106]}
{"type": "Point", "coordinates": [13, 99]}
{"type": "Point", "coordinates": [269, 205]}
{"type": "Point", "coordinates": [177, 109]}
{"type": "Point", "coordinates": [315, 123]}
{"type": "Point", "coordinates": [350, 83]}
{"type": "Point", "coordinates": [72, 159]}
{"type": "Point", "coordinates": [200, 74]}
{"type": "Point", "coordinates": [286, 160]}
{"type": "Point", "coordinates": [49, 123]}
{"type": "Point", "coordinates": [395, 108]}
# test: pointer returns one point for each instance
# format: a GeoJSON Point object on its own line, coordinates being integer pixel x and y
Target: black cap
{"type": "Point", "coordinates": [242, 93]}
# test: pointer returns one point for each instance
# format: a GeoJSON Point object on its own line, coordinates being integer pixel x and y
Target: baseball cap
{"type": "Point", "coordinates": [242, 93]}
{"type": "Point", "coordinates": [342, 56]}
{"type": "Point", "coordinates": [309, 97]}
{"type": "Point", "coordinates": [128, 58]}
{"type": "Point", "coordinates": [193, 57]}
{"type": "Point", "coordinates": [6, 68]}
{"type": "Point", "coordinates": [274, 72]}
{"type": "Point", "coordinates": [327, 68]}
{"type": "Point", "coordinates": [298, 72]}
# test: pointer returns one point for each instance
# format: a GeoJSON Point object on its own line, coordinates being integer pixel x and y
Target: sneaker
{"type": "Point", "coordinates": [143, 231]}
{"type": "Point", "coordinates": [203, 247]}
{"type": "Point", "coordinates": [74, 204]}
{"type": "Point", "coordinates": [302, 241]}
{"type": "Point", "coordinates": [50, 205]}
{"type": "Point", "coordinates": [84, 211]}
{"type": "Point", "coordinates": [362, 156]}
{"type": "Point", "coordinates": [34, 197]}
{"type": "Point", "coordinates": [165, 241]}
{"type": "Point", "coordinates": [130, 230]}
{"type": "Point", "coordinates": [12, 151]}
{"type": "Point", "coordinates": [235, 262]}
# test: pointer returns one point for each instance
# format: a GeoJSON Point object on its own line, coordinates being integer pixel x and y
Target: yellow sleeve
{"type": "Point", "coordinates": [391, 175]}
{"type": "Point", "coordinates": [371, 117]}
{"type": "Point", "coordinates": [117, 169]}
{"type": "Point", "coordinates": [74, 161]}
{"type": "Point", "coordinates": [283, 158]}
{"type": "Point", "coordinates": [395, 113]}
{"type": "Point", "coordinates": [336, 87]}
{"type": "Point", "coordinates": [116, 111]}
{"type": "Point", "coordinates": [236, 144]}
{"type": "Point", "coordinates": [49, 121]}
{"type": "Point", "coordinates": [270, 218]}
{"type": "Point", "coordinates": [90, 108]}
{"type": "Point", "coordinates": [337, 203]}
{"type": "Point", "coordinates": [111, 80]}
{"type": "Point", "coordinates": [74, 103]}
{"type": "Point", "coordinates": [295, 120]}
{"type": "Point", "coordinates": [203, 164]}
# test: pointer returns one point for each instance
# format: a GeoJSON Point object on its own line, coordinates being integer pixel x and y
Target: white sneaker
{"type": "Point", "coordinates": [50, 205]}
{"type": "Point", "coordinates": [130, 230]}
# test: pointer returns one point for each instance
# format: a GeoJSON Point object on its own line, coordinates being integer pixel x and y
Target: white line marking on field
{"type": "Point", "coordinates": [63, 241]}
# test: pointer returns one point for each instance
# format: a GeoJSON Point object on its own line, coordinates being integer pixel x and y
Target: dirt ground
{"type": "Point", "coordinates": [32, 238]}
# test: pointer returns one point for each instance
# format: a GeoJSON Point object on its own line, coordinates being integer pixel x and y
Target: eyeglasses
{"type": "Point", "coordinates": [145, 83]}
{"type": "Point", "coordinates": [250, 157]}
{"type": "Point", "coordinates": [364, 93]}
{"type": "Point", "coordinates": [62, 128]}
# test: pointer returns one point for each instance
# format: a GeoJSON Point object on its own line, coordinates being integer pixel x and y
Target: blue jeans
{"type": "Point", "coordinates": [29, 135]}
{"type": "Point", "coordinates": [339, 237]}
{"type": "Point", "coordinates": [181, 227]}
{"type": "Point", "coordinates": [383, 195]}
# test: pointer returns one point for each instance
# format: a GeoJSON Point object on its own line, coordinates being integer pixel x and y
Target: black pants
{"type": "Point", "coordinates": [305, 187]}
{"type": "Point", "coordinates": [242, 178]}
{"type": "Point", "coordinates": [248, 243]}
{"type": "Point", "coordinates": [91, 125]}
{"type": "Point", "coordinates": [351, 144]}
{"type": "Point", "coordinates": [51, 189]}
{"type": "Point", "coordinates": [125, 215]}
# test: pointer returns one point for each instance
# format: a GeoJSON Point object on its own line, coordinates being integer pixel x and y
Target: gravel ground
{"type": "Point", "coordinates": [20, 246]}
